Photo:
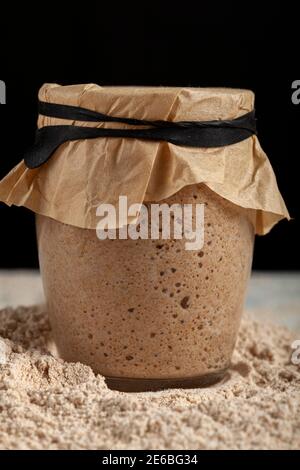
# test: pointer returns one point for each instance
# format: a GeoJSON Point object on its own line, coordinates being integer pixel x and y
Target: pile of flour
{"type": "Point", "coordinates": [46, 403]}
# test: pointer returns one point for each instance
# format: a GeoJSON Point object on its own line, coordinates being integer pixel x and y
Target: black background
{"type": "Point", "coordinates": [235, 44]}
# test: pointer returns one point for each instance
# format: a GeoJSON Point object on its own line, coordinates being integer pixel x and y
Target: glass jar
{"type": "Point", "coordinates": [148, 314]}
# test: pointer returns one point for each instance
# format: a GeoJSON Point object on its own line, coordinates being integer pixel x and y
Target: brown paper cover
{"type": "Point", "coordinates": [83, 174]}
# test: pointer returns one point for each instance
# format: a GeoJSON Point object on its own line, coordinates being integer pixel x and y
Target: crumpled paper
{"type": "Point", "coordinates": [83, 174]}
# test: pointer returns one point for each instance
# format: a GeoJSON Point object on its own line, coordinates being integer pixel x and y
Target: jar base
{"type": "Point", "coordinates": [125, 384]}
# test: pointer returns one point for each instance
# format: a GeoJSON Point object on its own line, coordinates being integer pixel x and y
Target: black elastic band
{"type": "Point", "coordinates": [205, 134]}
